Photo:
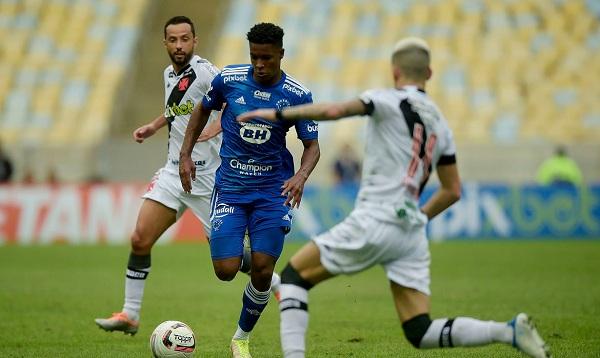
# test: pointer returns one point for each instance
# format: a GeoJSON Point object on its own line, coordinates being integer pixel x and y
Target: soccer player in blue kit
{"type": "Point", "coordinates": [253, 187]}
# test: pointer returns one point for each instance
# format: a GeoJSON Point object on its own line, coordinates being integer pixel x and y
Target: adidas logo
{"type": "Point", "coordinates": [240, 100]}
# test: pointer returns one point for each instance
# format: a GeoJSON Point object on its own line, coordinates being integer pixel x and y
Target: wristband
{"type": "Point", "coordinates": [279, 114]}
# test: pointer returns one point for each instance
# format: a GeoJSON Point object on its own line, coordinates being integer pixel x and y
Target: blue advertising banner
{"type": "Point", "coordinates": [485, 211]}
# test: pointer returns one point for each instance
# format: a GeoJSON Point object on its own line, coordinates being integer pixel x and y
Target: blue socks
{"type": "Point", "coordinates": [254, 302]}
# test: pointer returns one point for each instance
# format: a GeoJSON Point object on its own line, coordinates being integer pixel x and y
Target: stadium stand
{"type": "Point", "coordinates": [62, 64]}
{"type": "Point", "coordinates": [506, 70]}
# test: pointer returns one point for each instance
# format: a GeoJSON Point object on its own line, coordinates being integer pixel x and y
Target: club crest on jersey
{"type": "Point", "coordinates": [255, 133]}
{"type": "Point", "coordinates": [282, 103]}
{"type": "Point", "coordinates": [183, 84]}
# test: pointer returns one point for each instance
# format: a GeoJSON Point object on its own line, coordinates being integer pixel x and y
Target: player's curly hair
{"type": "Point", "coordinates": [266, 33]}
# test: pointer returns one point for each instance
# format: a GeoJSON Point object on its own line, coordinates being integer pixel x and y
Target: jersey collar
{"type": "Point", "coordinates": [278, 83]}
{"type": "Point", "coordinates": [412, 88]}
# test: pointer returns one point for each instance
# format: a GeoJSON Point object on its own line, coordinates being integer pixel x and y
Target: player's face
{"type": "Point", "coordinates": [180, 43]}
{"type": "Point", "coordinates": [266, 61]}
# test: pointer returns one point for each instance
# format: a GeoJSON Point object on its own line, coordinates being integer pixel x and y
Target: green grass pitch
{"type": "Point", "coordinates": [49, 297]}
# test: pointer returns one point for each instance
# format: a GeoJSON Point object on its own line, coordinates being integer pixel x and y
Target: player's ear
{"type": "Point", "coordinates": [195, 40]}
{"type": "Point", "coordinates": [429, 73]}
{"type": "Point", "coordinates": [396, 73]}
{"type": "Point", "coordinates": [281, 52]}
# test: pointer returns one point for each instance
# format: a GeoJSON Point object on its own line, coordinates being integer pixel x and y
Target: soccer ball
{"type": "Point", "coordinates": [172, 339]}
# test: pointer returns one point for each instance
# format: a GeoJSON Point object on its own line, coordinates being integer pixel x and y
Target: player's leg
{"type": "Point", "coordinates": [346, 248]}
{"type": "Point", "coordinates": [228, 220]}
{"type": "Point", "coordinates": [412, 307]}
{"type": "Point", "coordinates": [153, 220]}
{"type": "Point", "coordinates": [268, 223]}
{"type": "Point", "coordinates": [266, 244]}
{"type": "Point", "coordinates": [246, 265]}
{"type": "Point", "coordinates": [302, 273]}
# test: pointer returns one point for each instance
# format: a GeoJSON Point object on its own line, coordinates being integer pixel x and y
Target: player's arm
{"type": "Point", "coordinates": [314, 111]}
{"type": "Point", "coordinates": [447, 194]}
{"type": "Point", "coordinates": [212, 129]}
{"type": "Point", "coordinates": [149, 129]}
{"type": "Point", "coordinates": [293, 188]}
{"type": "Point", "coordinates": [187, 169]}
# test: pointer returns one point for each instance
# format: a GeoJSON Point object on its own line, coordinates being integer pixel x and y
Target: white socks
{"type": "Point", "coordinates": [465, 332]}
{"type": "Point", "coordinates": [294, 320]}
{"type": "Point", "coordinates": [134, 291]}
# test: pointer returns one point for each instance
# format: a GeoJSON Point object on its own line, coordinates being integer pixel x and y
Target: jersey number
{"type": "Point", "coordinates": [422, 148]}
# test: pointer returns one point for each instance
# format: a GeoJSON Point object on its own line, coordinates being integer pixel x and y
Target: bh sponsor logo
{"type": "Point", "coordinates": [255, 133]}
{"type": "Point", "coordinates": [265, 96]}
{"type": "Point", "coordinates": [292, 89]}
{"type": "Point", "coordinates": [250, 168]}
{"type": "Point", "coordinates": [228, 78]}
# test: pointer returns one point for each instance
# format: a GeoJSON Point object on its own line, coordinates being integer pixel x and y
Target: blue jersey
{"type": "Point", "coordinates": [254, 154]}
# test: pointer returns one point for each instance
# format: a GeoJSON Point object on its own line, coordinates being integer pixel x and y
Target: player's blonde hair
{"type": "Point", "coordinates": [412, 56]}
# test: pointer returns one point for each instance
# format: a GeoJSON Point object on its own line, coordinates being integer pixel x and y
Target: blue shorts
{"type": "Point", "coordinates": [262, 213]}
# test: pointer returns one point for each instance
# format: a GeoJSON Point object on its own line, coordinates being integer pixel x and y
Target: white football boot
{"type": "Point", "coordinates": [526, 337]}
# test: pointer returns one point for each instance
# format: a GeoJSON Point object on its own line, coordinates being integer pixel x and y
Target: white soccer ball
{"type": "Point", "coordinates": [172, 339]}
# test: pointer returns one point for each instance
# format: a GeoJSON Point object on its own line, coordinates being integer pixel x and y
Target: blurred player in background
{"type": "Point", "coordinates": [406, 135]}
{"type": "Point", "coordinates": [187, 80]}
{"type": "Point", "coordinates": [6, 167]}
{"type": "Point", "coordinates": [560, 170]}
{"type": "Point", "coordinates": [254, 187]}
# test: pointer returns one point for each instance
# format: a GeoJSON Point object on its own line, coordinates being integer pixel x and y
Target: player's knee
{"type": "Point", "coordinates": [415, 328]}
{"type": "Point", "coordinates": [262, 273]}
{"type": "Point", "coordinates": [225, 274]}
{"type": "Point", "coordinates": [290, 276]}
{"type": "Point", "coordinates": [226, 271]}
{"type": "Point", "coordinates": [139, 244]}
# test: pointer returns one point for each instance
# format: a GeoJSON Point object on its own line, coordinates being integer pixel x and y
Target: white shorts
{"type": "Point", "coordinates": [166, 189]}
{"type": "Point", "coordinates": [362, 241]}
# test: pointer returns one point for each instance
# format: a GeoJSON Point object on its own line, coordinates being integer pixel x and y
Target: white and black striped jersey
{"type": "Point", "coordinates": [183, 91]}
{"type": "Point", "coordinates": [406, 136]}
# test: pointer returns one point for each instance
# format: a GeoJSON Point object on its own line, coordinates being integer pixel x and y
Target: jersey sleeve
{"type": "Point", "coordinates": [307, 129]}
{"type": "Point", "coordinates": [448, 153]}
{"type": "Point", "coordinates": [207, 73]}
{"type": "Point", "coordinates": [214, 99]}
{"type": "Point", "coordinates": [368, 99]}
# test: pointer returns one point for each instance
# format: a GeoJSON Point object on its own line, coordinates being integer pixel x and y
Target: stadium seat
{"type": "Point", "coordinates": [501, 68]}
{"type": "Point", "coordinates": [51, 67]}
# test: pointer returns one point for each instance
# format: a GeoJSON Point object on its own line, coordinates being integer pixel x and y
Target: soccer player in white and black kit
{"type": "Point", "coordinates": [407, 135]}
{"type": "Point", "coordinates": [186, 80]}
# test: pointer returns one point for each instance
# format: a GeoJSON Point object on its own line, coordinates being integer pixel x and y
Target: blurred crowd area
{"type": "Point", "coordinates": [515, 78]}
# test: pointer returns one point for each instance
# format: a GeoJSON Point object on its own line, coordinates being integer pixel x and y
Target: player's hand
{"type": "Point", "coordinates": [143, 132]}
{"type": "Point", "coordinates": [293, 188]}
{"type": "Point", "coordinates": [266, 113]}
{"type": "Point", "coordinates": [187, 173]}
